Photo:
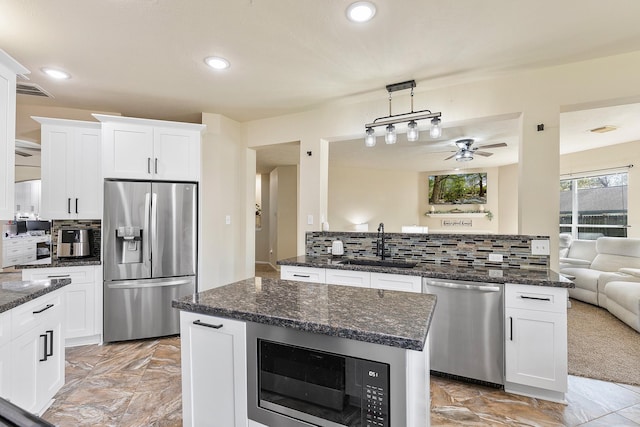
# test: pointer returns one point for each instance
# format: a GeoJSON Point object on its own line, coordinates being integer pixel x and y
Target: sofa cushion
{"type": "Point", "coordinates": [615, 253]}
{"type": "Point", "coordinates": [623, 301]}
{"type": "Point", "coordinates": [582, 249]}
{"type": "Point", "coordinates": [584, 278]}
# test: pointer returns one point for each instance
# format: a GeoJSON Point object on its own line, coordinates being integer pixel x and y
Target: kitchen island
{"type": "Point", "coordinates": [365, 323]}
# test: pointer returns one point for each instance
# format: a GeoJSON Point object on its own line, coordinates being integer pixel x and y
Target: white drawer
{"type": "Point", "coordinates": [5, 327]}
{"type": "Point", "coordinates": [348, 277]}
{"type": "Point", "coordinates": [302, 274]}
{"type": "Point", "coordinates": [82, 274]}
{"type": "Point", "coordinates": [396, 282]}
{"type": "Point", "coordinates": [541, 298]}
{"type": "Point", "coordinates": [27, 316]}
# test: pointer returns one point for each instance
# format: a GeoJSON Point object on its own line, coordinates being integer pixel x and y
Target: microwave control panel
{"type": "Point", "coordinates": [375, 388]}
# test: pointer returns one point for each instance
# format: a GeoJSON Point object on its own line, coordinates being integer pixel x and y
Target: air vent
{"type": "Point", "coordinates": [31, 89]}
{"type": "Point", "coordinates": [603, 129]}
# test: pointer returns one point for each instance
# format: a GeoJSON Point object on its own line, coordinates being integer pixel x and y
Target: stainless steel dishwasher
{"type": "Point", "coordinates": [467, 330]}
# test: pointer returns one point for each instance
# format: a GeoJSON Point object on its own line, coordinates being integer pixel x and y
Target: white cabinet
{"type": "Point", "coordinates": [27, 198]}
{"type": "Point", "coordinates": [37, 352]}
{"type": "Point", "coordinates": [396, 282]}
{"type": "Point", "coordinates": [83, 301]}
{"type": "Point", "coordinates": [214, 378]}
{"type": "Point", "coordinates": [18, 251]}
{"type": "Point", "coordinates": [536, 340]}
{"type": "Point", "coordinates": [71, 169]}
{"type": "Point", "coordinates": [302, 274]}
{"type": "Point", "coordinates": [361, 279]}
{"type": "Point", "coordinates": [8, 70]}
{"type": "Point", "coordinates": [150, 149]}
{"type": "Point", "coordinates": [5, 354]}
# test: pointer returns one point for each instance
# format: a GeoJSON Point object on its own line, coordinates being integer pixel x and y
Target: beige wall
{"type": "Point", "coordinates": [508, 200]}
{"type": "Point", "coordinates": [372, 196]}
{"type": "Point", "coordinates": [614, 156]}
{"type": "Point", "coordinates": [262, 234]}
{"type": "Point", "coordinates": [283, 195]}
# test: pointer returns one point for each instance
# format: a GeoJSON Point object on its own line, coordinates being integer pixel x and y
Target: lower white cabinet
{"type": "Point", "coordinates": [83, 301]}
{"type": "Point", "coordinates": [396, 282]}
{"type": "Point", "coordinates": [360, 279]}
{"type": "Point", "coordinates": [214, 371]}
{"type": "Point", "coordinates": [5, 353]}
{"type": "Point", "coordinates": [536, 340]}
{"type": "Point", "coordinates": [37, 352]}
{"type": "Point", "coordinates": [302, 274]}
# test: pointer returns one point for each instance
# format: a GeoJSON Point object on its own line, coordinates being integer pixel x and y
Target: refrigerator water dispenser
{"type": "Point", "coordinates": [129, 249]}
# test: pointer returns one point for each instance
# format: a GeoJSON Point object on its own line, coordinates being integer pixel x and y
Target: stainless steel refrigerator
{"type": "Point", "coordinates": [150, 255]}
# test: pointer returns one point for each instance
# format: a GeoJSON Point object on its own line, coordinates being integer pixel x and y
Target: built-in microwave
{"type": "Point", "coordinates": [299, 379]}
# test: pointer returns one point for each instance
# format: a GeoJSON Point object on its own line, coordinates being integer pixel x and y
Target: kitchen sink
{"type": "Point", "coordinates": [378, 263]}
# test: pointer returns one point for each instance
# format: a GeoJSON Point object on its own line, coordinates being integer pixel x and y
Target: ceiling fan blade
{"type": "Point", "coordinates": [498, 145]}
{"type": "Point", "coordinates": [23, 153]}
{"type": "Point", "coordinates": [483, 153]}
{"type": "Point", "coordinates": [451, 156]}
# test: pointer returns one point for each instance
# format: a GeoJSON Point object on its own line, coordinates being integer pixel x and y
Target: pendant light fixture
{"type": "Point", "coordinates": [411, 117]}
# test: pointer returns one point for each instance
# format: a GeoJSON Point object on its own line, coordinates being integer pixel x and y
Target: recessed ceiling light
{"type": "Point", "coordinates": [603, 129]}
{"type": "Point", "coordinates": [361, 11]}
{"type": "Point", "coordinates": [56, 74]}
{"type": "Point", "coordinates": [217, 62]}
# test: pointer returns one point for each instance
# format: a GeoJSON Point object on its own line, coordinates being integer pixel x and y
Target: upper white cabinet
{"type": "Point", "coordinates": [9, 68]}
{"type": "Point", "coordinates": [27, 198]}
{"type": "Point", "coordinates": [150, 149]}
{"type": "Point", "coordinates": [71, 169]}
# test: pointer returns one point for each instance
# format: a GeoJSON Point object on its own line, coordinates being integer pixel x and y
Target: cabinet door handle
{"type": "Point", "coordinates": [535, 298]}
{"type": "Point", "coordinates": [69, 205]}
{"type": "Point", "coordinates": [208, 325]}
{"type": "Point", "coordinates": [47, 307]}
{"type": "Point", "coordinates": [302, 275]}
{"type": "Point", "coordinates": [149, 165]}
{"type": "Point", "coordinates": [510, 328]}
{"type": "Point", "coordinates": [76, 205]}
{"type": "Point", "coordinates": [50, 351]}
{"type": "Point", "coordinates": [44, 352]}
{"type": "Point", "coordinates": [156, 165]}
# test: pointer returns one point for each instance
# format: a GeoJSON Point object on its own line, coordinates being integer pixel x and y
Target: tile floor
{"type": "Point", "coordinates": [138, 384]}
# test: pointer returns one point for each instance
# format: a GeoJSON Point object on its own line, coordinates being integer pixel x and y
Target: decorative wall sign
{"type": "Point", "coordinates": [457, 223]}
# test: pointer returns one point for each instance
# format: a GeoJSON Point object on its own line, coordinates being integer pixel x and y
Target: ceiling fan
{"type": "Point", "coordinates": [465, 152]}
{"type": "Point", "coordinates": [26, 148]}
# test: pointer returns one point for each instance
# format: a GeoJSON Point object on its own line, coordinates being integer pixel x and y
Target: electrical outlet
{"type": "Point", "coordinates": [540, 247]}
{"type": "Point", "coordinates": [495, 257]}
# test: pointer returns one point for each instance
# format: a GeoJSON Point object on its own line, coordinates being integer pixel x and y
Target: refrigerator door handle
{"type": "Point", "coordinates": [146, 238]}
{"type": "Point", "coordinates": [135, 284]}
{"type": "Point", "coordinates": [154, 223]}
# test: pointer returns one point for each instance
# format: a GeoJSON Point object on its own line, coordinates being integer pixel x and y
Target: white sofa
{"type": "Point", "coordinates": [576, 253]}
{"type": "Point", "coordinates": [617, 263]}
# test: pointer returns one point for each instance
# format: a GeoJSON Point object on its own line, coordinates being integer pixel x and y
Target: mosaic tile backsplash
{"type": "Point", "coordinates": [454, 249]}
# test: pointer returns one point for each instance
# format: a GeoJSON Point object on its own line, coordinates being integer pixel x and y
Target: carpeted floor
{"type": "Point", "coordinates": [601, 346]}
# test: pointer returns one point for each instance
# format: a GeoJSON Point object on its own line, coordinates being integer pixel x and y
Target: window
{"type": "Point", "coordinates": [594, 206]}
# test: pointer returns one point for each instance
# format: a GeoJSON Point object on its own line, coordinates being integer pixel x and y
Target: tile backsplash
{"type": "Point", "coordinates": [453, 249]}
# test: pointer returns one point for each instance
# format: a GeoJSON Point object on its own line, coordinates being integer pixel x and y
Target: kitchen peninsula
{"type": "Point", "coordinates": [221, 328]}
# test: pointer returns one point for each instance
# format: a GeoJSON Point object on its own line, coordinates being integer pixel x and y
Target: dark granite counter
{"type": "Point", "coordinates": [444, 271]}
{"type": "Point", "coordinates": [392, 318]}
{"type": "Point", "coordinates": [70, 262]}
{"type": "Point", "coordinates": [14, 292]}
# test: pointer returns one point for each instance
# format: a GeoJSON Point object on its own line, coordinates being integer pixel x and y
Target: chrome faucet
{"type": "Point", "coordinates": [380, 251]}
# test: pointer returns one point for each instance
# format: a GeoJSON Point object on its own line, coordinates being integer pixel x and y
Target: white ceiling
{"type": "Point", "coordinates": [144, 58]}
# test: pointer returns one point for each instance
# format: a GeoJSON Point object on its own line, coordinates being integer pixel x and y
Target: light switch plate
{"type": "Point", "coordinates": [540, 247]}
{"type": "Point", "coordinates": [227, 219]}
{"type": "Point", "coordinates": [309, 219]}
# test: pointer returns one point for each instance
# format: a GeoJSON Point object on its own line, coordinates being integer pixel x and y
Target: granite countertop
{"type": "Point", "coordinates": [444, 271]}
{"type": "Point", "coordinates": [14, 292]}
{"type": "Point", "coordinates": [392, 318]}
{"type": "Point", "coordinates": [70, 262]}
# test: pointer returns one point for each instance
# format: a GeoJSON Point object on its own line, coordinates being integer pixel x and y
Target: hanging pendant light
{"type": "Point", "coordinates": [391, 137]}
{"type": "Point", "coordinates": [411, 118]}
{"type": "Point", "coordinates": [370, 138]}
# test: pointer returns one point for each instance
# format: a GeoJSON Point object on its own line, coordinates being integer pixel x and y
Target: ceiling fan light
{"type": "Point", "coordinates": [370, 138]}
{"type": "Point", "coordinates": [391, 137]}
{"type": "Point", "coordinates": [464, 156]}
{"type": "Point", "coordinates": [436, 129]}
{"type": "Point", "coordinates": [412, 131]}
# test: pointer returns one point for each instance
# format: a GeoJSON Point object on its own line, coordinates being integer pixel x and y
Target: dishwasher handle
{"type": "Point", "coordinates": [453, 285]}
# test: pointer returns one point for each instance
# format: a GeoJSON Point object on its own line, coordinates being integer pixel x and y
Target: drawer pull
{"type": "Point", "coordinates": [208, 325]}
{"type": "Point", "coordinates": [535, 298]}
{"type": "Point", "coordinates": [57, 276]}
{"type": "Point", "coordinates": [302, 275]}
{"type": "Point", "coordinates": [47, 307]}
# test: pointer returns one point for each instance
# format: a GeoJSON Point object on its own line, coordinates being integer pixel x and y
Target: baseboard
{"type": "Point", "coordinates": [76, 342]}
{"type": "Point", "coordinates": [538, 393]}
